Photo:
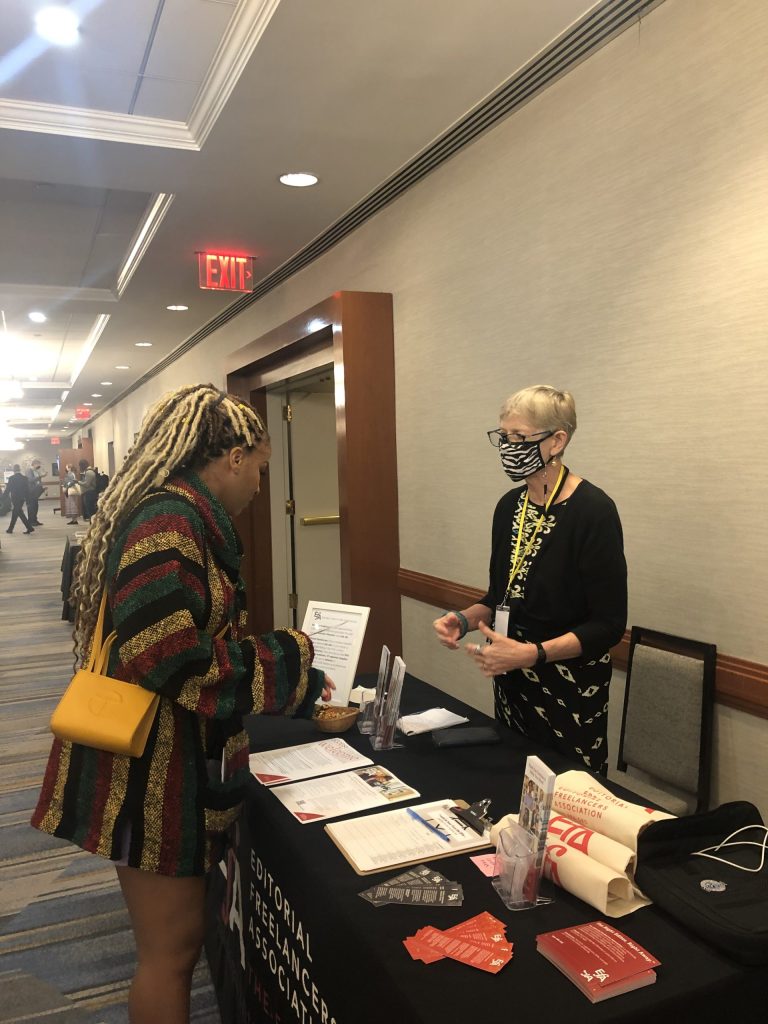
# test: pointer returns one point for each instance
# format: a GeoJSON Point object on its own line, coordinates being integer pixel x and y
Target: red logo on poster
{"type": "Point", "coordinates": [221, 273]}
{"type": "Point", "coordinates": [81, 413]}
{"type": "Point", "coordinates": [55, 440]}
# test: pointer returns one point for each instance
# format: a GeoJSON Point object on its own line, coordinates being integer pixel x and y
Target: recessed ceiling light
{"type": "Point", "coordinates": [177, 309]}
{"type": "Point", "coordinates": [59, 25]}
{"type": "Point", "coordinates": [106, 383]}
{"type": "Point", "coordinates": [299, 179]}
{"type": "Point", "coordinates": [143, 344]}
{"type": "Point", "coordinates": [94, 395]}
{"type": "Point", "coordinates": [122, 367]}
{"type": "Point", "coordinates": [37, 317]}
{"type": "Point", "coordinates": [89, 404]}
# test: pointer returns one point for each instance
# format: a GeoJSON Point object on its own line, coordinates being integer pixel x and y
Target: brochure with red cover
{"type": "Point", "coordinates": [599, 959]}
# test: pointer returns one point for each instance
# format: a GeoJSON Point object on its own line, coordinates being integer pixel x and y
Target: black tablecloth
{"type": "Point", "coordinates": [71, 551]}
{"type": "Point", "coordinates": [290, 939]}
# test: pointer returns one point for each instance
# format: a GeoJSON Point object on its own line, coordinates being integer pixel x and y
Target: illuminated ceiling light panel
{"type": "Point", "coordinates": [143, 344]}
{"type": "Point", "coordinates": [299, 179]}
{"type": "Point", "coordinates": [177, 309]}
{"type": "Point", "coordinates": [122, 367]}
{"type": "Point", "coordinates": [37, 317]}
{"type": "Point", "coordinates": [106, 383]}
{"type": "Point", "coordinates": [95, 395]}
{"type": "Point", "coordinates": [58, 25]}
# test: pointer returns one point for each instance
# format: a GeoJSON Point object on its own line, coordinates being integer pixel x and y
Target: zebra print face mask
{"type": "Point", "coordinates": [520, 459]}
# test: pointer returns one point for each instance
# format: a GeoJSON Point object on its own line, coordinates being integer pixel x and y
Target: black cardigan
{"type": "Point", "coordinates": [577, 582]}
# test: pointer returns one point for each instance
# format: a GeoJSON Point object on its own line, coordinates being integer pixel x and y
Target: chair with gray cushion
{"type": "Point", "coordinates": [666, 726]}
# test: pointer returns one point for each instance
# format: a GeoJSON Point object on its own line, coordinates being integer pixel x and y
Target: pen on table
{"type": "Point", "coordinates": [426, 824]}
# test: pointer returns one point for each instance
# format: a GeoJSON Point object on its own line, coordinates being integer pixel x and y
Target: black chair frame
{"type": "Point", "coordinates": [707, 654]}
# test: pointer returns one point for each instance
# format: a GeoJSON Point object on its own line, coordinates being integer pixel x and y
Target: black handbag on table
{"type": "Point", "coordinates": [725, 906]}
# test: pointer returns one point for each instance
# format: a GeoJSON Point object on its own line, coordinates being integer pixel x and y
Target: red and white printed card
{"type": "Point", "coordinates": [479, 942]}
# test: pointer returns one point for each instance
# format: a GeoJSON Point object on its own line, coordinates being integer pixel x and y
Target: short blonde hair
{"type": "Point", "coordinates": [545, 406]}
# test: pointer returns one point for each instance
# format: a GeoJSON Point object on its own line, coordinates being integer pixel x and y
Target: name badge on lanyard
{"type": "Point", "coordinates": [501, 620]}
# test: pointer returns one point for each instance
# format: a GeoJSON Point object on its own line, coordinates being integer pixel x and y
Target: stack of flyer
{"type": "Point", "coordinates": [600, 960]}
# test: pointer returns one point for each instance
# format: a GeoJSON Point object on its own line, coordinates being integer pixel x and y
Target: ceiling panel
{"type": "Point", "coordinates": [199, 25]}
{"type": "Point", "coordinates": [166, 98]}
{"type": "Point", "coordinates": [65, 235]}
{"type": "Point", "coordinates": [92, 88]}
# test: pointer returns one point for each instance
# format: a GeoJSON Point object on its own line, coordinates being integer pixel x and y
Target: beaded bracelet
{"type": "Point", "coordinates": [463, 624]}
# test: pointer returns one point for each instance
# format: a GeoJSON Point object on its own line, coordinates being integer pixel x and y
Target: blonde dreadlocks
{"type": "Point", "coordinates": [186, 429]}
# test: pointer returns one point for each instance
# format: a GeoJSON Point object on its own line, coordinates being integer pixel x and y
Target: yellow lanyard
{"type": "Point", "coordinates": [517, 562]}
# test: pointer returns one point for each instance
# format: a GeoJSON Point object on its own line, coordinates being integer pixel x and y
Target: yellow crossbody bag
{"type": "Point", "coordinates": [101, 712]}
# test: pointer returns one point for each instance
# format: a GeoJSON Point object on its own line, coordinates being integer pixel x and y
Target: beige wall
{"type": "Point", "coordinates": [608, 238]}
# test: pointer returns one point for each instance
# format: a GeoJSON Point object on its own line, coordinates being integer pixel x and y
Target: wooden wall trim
{"type": "Point", "coordinates": [738, 684]}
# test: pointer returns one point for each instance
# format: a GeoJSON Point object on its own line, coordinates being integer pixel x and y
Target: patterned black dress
{"type": "Point", "coordinates": [572, 578]}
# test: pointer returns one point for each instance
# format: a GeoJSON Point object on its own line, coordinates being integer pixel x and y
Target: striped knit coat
{"type": "Point", "coordinates": [174, 585]}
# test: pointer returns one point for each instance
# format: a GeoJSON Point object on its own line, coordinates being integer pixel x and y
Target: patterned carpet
{"type": "Point", "coordinates": [66, 949]}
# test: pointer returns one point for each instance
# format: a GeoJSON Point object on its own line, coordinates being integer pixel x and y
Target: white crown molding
{"type": "Point", "coordinates": [240, 39]}
{"type": "Point", "coordinates": [243, 33]}
{"type": "Point", "coordinates": [49, 293]}
{"type": "Point", "coordinates": [82, 123]}
{"type": "Point", "coordinates": [156, 211]}
{"type": "Point", "coordinates": [88, 346]}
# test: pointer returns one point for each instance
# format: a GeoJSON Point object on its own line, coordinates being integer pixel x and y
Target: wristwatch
{"type": "Point", "coordinates": [541, 654]}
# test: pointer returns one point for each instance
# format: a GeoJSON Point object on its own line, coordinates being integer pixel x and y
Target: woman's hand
{"type": "Point", "coordinates": [501, 655]}
{"type": "Point", "coordinates": [448, 629]}
{"type": "Point", "coordinates": [328, 689]}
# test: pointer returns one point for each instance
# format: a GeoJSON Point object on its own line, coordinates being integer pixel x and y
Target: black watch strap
{"type": "Point", "coordinates": [541, 654]}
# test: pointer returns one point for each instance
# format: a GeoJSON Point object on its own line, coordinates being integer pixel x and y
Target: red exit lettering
{"type": "Point", "coordinates": [225, 273]}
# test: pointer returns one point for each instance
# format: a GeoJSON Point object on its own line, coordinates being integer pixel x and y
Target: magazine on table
{"type": "Point", "coordinates": [599, 959]}
{"type": "Point", "coordinates": [305, 761]}
{"type": "Point", "coordinates": [332, 796]}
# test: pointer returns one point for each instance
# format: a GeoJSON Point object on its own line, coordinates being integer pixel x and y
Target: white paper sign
{"type": "Point", "coordinates": [336, 632]}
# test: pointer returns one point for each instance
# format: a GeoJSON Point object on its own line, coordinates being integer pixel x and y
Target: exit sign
{"type": "Point", "coordinates": [219, 272]}
{"type": "Point", "coordinates": [82, 413]}
{"type": "Point", "coordinates": [55, 440]}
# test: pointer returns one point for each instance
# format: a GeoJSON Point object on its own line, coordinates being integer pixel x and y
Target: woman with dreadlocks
{"type": "Point", "coordinates": [163, 545]}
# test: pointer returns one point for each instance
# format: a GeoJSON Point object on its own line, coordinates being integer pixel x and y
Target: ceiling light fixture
{"type": "Point", "coordinates": [88, 404]}
{"type": "Point", "coordinates": [122, 367]}
{"type": "Point", "coordinates": [106, 383]}
{"type": "Point", "coordinates": [177, 309]}
{"type": "Point", "coordinates": [37, 317]}
{"type": "Point", "coordinates": [59, 25]}
{"type": "Point", "coordinates": [143, 344]}
{"type": "Point", "coordinates": [95, 395]}
{"type": "Point", "coordinates": [299, 179]}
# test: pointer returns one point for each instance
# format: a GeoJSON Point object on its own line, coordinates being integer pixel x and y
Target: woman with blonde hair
{"type": "Point", "coordinates": [163, 545]}
{"type": "Point", "coordinates": [557, 597]}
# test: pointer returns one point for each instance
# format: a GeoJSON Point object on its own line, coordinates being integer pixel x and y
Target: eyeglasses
{"type": "Point", "coordinates": [500, 437]}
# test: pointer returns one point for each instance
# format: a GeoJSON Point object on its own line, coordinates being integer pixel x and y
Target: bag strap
{"type": "Point", "coordinates": [97, 661]}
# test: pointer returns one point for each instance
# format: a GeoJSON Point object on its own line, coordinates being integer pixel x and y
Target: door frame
{"type": "Point", "coordinates": [357, 336]}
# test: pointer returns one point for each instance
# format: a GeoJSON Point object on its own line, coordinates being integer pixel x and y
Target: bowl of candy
{"type": "Point", "coordinates": [334, 719]}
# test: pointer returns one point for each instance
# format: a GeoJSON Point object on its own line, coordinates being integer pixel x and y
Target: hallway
{"type": "Point", "coordinates": [66, 952]}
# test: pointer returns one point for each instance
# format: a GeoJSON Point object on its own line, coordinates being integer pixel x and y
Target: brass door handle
{"type": "Point", "coordinates": [319, 520]}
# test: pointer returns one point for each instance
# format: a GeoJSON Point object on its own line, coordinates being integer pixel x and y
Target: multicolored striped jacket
{"type": "Point", "coordinates": [177, 602]}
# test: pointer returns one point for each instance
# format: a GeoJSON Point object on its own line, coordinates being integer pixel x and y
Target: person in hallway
{"type": "Point", "coordinates": [557, 596]}
{"type": "Point", "coordinates": [18, 488]}
{"type": "Point", "coordinates": [164, 545]}
{"type": "Point", "coordinates": [87, 488]}
{"type": "Point", "coordinates": [36, 490]}
{"type": "Point", "coordinates": [71, 489]}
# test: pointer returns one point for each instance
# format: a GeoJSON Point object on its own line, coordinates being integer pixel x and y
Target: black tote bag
{"type": "Point", "coordinates": [732, 914]}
